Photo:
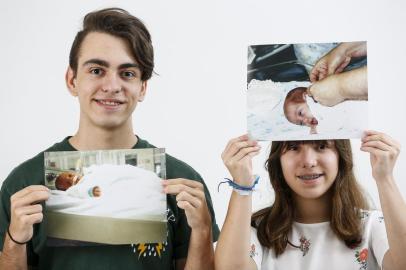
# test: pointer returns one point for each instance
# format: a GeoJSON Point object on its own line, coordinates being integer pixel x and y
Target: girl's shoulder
{"type": "Point", "coordinates": [371, 216]}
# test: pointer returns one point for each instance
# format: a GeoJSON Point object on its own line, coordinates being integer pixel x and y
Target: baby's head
{"type": "Point", "coordinates": [66, 179]}
{"type": "Point", "coordinates": [296, 109]}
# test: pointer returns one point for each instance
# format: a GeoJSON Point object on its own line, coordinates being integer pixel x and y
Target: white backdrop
{"type": "Point", "coordinates": [197, 103]}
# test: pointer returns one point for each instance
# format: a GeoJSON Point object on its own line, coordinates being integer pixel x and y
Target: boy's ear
{"type": "Point", "coordinates": [143, 91]}
{"type": "Point", "coordinates": [70, 80]}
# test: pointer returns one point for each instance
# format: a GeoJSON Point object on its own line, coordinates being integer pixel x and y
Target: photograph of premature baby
{"type": "Point", "coordinates": [307, 91]}
{"type": "Point", "coordinates": [105, 197]}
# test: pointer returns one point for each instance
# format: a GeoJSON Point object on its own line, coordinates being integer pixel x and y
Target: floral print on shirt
{"type": "Point", "coordinates": [362, 256]}
{"type": "Point", "coordinates": [253, 253]}
{"type": "Point", "coordinates": [304, 245]}
{"type": "Point", "coordinates": [363, 214]}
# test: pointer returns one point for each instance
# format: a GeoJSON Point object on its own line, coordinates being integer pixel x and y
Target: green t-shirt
{"type": "Point", "coordinates": [139, 256]}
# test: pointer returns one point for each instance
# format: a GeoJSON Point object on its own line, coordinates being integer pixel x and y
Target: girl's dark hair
{"type": "Point", "coordinates": [274, 223]}
{"type": "Point", "coordinates": [119, 23]}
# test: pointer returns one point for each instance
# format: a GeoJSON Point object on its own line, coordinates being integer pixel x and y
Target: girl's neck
{"type": "Point", "coordinates": [313, 210]}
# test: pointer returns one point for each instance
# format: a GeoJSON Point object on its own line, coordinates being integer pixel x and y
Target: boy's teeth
{"type": "Point", "coordinates": [110, 103]}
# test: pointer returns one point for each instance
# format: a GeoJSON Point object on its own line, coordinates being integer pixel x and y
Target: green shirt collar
{"type": "Point", "coordinates": [66, 146]}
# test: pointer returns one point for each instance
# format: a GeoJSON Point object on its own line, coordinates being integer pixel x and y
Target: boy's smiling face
{"type": "Point", "coordinates": [107, 82]}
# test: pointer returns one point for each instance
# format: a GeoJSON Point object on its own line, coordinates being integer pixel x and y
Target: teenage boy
{"type": "Point", "coordinates": [110, 63]}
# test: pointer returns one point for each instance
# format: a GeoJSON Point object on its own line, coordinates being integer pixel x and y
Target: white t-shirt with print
{"type": "Point", "coordinates": [321, 248]}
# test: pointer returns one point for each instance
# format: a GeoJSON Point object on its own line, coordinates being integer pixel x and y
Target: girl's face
{"type": "Point", "coordinates": [310, 168]}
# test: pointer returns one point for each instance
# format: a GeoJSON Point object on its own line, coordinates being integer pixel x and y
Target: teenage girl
{"type": "Point", "coordinates": [320, 218]}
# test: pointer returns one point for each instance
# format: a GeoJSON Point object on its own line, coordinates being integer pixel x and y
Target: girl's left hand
{"type": "Point", "coordinates": [384, 151]}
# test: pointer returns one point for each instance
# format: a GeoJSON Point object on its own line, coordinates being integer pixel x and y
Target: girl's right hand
{"type": "Point", "coordinates": [237, 156]}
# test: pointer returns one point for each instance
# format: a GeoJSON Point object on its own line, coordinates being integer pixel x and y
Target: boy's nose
{"type": "Point", "coordinates": [111, 84]}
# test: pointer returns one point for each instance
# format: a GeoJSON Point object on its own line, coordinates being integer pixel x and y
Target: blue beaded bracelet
{"type": "Point", "coordinates": [242, 190]}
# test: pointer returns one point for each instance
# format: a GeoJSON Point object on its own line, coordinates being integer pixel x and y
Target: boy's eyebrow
{"type": "Point", "coordinates": [128, 65]}
{"type": "Point", "coordinates": [106, 64]}
{"type": "Point", "coordinates": [97, 62]}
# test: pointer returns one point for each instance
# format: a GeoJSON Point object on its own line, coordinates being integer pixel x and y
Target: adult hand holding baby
{"type": "Point", "coordinates": [337, 59]}
{"type": "Point", "coordinates": [334, 89]}
{"type": "Point", "coordinates": [327, 92]}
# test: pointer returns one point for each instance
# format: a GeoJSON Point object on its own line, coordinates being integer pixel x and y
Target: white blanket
{"type": "Point", "coordinates": [126, 192]}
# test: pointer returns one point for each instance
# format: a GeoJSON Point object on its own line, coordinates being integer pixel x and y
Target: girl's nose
{"type": "Point", "coordinates": [309, 157]}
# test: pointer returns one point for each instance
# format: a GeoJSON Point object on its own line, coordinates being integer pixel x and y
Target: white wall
{"type": "Point", "coordinates": [198, 102]}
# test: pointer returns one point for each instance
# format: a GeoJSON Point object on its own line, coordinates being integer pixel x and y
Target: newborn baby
{"type": "Point", "coordinates": [107, 190]}
{"type": "Point", "coordinates": [101, 178]}
{"type": "Point", "coordinates": [297, 111]}
{"type": "Point", "coordinates": [66, 180]}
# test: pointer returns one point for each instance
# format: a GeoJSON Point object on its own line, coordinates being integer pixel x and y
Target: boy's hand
{"type": "Point", "coordinates": [190, 197]}
{"type": "Point", "coordinates": [26, 211]}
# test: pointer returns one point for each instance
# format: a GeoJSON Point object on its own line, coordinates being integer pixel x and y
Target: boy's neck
{"type": "Point", "coordinates": [104, 139]}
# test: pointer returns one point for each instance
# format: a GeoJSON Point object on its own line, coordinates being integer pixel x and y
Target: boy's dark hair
{"type": "Point", "coordinates": [119, 23]}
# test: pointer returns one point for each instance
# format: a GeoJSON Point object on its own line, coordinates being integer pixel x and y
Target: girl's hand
{"type": "Point", "coordinates": [384, 151]}
{"type": "Point", "coordinates": [237, 156]}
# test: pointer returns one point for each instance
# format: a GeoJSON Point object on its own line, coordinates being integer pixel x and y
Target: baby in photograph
{"type": "Point", "coordinates": [66, 180]}
{"type": "Point", "coordinates": [297, 111]}
{"type": "Point", "coordinates": [108, 190]}
{"type": "Point", "coordinates": [330, 85]}
{"type": "Point", "coordinates": [89, 184]}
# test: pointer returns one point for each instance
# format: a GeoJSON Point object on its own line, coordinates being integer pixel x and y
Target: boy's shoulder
{"type": "Point", "coordinates": [175, 168]}
{"type": "Point", "coordinates": [31, 171]}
